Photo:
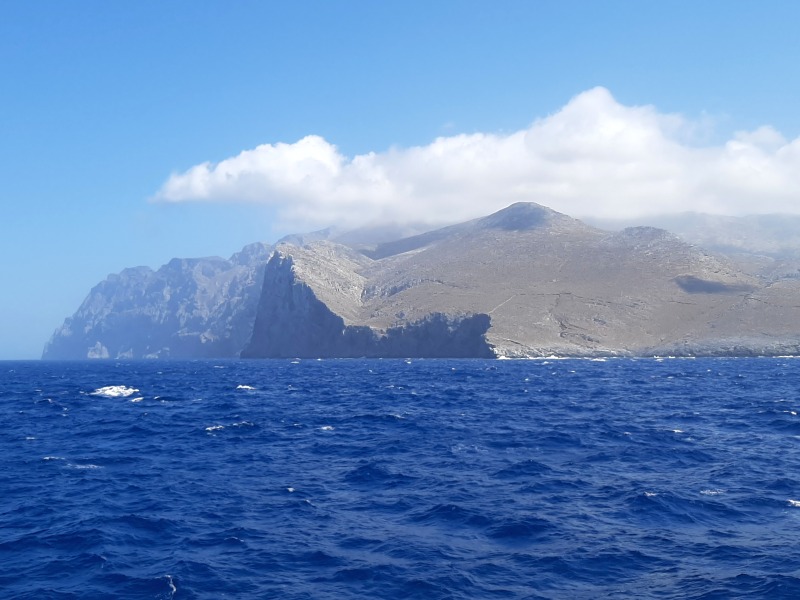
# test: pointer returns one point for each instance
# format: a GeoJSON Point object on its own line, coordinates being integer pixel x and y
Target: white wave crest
{"type": "Point", "coordinates": [114, 391]}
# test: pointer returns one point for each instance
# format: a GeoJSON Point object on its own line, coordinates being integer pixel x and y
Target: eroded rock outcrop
{"type": "Point", "coordinates": [292, 321]}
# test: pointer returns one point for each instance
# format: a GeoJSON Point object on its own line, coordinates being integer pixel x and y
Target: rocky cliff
{"type": "Point", "coordinates": [542, 282]}
{"type": "Point", "coordinates": [526, 281]}
{"type": "Point", "coordinates": [189, 308]}
{"type": "Point", "coordinates": [294, 321]}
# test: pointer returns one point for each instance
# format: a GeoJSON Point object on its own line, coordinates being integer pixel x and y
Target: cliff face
{"type": "Point", "coordinates": [541, 282]}
{"type": "Point", "coordinates": [189, 308]}
{"type": "Point", "coordinates": [525, 281]}
{"type": "Point", "coordinates": [293, 322]}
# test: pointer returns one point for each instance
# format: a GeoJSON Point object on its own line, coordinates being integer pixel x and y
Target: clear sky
{"type": "Point", "coordinates": [134, 132]}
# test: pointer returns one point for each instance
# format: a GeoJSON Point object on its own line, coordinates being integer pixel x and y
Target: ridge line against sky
{"type": "Point", "coordinates": [401, 106]}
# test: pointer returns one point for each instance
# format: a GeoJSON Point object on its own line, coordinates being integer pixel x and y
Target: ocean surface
{"type": "Point", "coordinates": [396, 479]}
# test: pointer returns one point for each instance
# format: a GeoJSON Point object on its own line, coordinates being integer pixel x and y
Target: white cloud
{"type": "Point", "coordinates": [594, 157]}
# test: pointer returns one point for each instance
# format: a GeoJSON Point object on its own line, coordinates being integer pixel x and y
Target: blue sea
{"type": "Point", "coordinates": [390, 479]}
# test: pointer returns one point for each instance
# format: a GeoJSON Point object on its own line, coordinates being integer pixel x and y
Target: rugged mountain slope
{"type": "Point", "coordinates": [311, 307]}
{"type": "Point", "coordinates": [525, 281]}
{"type": "Point", "coordinates": [546, 283]}
{"type": "Point", "coordinates": [189, 308]}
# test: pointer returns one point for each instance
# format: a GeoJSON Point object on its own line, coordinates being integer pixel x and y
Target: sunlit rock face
{"type": "Point", "coordinates": [525, 281]}
{"type": "Point", "coordinates": [542, 282]}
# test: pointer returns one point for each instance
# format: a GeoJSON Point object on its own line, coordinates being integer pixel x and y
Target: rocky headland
{"type": "Point", "coordinates": [526, 281]}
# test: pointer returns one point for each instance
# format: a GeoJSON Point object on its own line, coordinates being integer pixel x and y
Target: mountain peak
{"type": "Point", "coordinates": [521, 216]}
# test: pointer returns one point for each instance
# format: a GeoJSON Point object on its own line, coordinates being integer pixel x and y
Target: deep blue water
{"type": "Point", "coordinates": [393, 479]}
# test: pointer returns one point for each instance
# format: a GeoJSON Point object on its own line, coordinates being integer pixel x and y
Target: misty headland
{"type": "Point", "coordinates": [525, 281]}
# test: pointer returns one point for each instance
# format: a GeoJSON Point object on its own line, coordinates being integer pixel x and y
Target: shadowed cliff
{"type": "Point", "coordinates": [292, 322]}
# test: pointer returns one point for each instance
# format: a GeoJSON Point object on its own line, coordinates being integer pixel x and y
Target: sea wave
{"type": "Point", "coordinates": [385, 479]}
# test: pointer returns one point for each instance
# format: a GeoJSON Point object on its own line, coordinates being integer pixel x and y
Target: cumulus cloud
{"type": "Point", "coordinates": [594, 157]}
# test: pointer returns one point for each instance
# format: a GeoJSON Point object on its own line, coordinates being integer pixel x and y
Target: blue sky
{"type": "Point", "coordinates": [134, 132]}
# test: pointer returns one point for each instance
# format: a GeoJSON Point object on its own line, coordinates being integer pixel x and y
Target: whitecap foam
{"type": "Point", "coordinates": [290, 489]}
{"type": "Point", "coordinates": [114, 391]}
{"type": "Point", "coordinates": [215, 427]}
{"type": "Point", "coordinates": [245, 387]}
{"type": "Point", "coordinates": [52, 458]}
{"type": "Point", "coordinates": [794, 503]}
{"type": "Point", "coordinates": [327, 428]}
{"type": "Point", "coordinates": [139, 399]}
{"type": "Point", "coordinates": [83, 467]}
{"type": "Point", "coordinates": [712, 492]}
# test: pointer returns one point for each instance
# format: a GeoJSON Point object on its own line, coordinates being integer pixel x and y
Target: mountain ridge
{"type": "Point", "coordinates": [524, 281]}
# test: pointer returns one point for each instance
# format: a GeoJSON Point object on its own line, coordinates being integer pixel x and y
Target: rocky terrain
{"type": "Point", "coordinates": [547, 283]}
{"type": "Point", "coordinates": [189, 308]}
{"type": "Point", "coordinates": [526, 281]}
{"type": "Point", "coordinates": [311, 307]}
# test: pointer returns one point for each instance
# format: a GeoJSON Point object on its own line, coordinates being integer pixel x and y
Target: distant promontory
{"type": "Point", "coordinates": [523, 282]}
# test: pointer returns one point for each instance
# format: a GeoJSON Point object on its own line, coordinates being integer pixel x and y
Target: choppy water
{"type": "Point", "coordinates": [394, 479]}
